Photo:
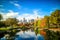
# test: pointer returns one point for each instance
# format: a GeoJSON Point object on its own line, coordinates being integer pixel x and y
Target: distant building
{"type": "Point", "coordinates": [31, 21]}
{"type": "Point", "coordinates": [24, 21]}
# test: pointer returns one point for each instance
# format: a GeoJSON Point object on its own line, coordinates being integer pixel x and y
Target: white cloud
{"type": "Point", "coordinates": [16, 4]}
{"type": "Point", "coordinates": [14, 1]}
{"type": "Point", "coordinates": [35, 12]}
{"type": "Point", "coordinates": [28, 16]}
{"type": "Point", "coordinates": [10, 14]}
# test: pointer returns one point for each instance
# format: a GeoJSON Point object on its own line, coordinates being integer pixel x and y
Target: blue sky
{"type": "Point", "coordinates": [28, 8]}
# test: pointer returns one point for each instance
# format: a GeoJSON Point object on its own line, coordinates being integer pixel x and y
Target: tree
{"type": "Point", "coordinates": [11, 21]}
{"type": "Point", "coordinates": [1, 22]}
{"type": "Point", "coordinates": [55, 18]}
{"type": "Point", "coordinates": [1, 17]}
{"type": "Point", "coordinates": [47, 21]}
{"type": "Point", "coordinates": [43, 23]}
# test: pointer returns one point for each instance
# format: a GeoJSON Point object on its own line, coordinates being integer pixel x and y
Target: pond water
{"type": "Point", "coordinates": [27, 35]}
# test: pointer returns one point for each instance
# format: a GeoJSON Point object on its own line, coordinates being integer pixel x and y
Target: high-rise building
{"type": "Point", "coordinates": [24, 20]}
{"type": "Point", "coordinates": [31, 21]}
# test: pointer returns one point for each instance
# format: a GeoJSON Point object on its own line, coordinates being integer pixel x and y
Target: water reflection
{"type": "Point", "coordinates": [27, 35]}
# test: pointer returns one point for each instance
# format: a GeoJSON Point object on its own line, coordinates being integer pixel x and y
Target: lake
{"type": "Point", "coordinates": [27, 35]}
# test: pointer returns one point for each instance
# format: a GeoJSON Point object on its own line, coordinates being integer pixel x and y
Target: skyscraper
{"type": "Point", "coordinates": [24, 20]}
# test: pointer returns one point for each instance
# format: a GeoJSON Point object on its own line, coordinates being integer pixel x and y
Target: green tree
{"type": "Point", "coordinates": [47, 21]}
{"type": "Point", "coordinates": [55, 18]}
{"type": "Point", "coordinates": [1, 22]}
{"type": "Point", "coordinates": [1, 17]}
{"type": "Point", "coordinates": [11, 21]}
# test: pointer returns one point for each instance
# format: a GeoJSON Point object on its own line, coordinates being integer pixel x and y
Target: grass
{"type": "Point", "coordinates": [7, 28]}
{"type": "Point", "coordinates": [4, 29]}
